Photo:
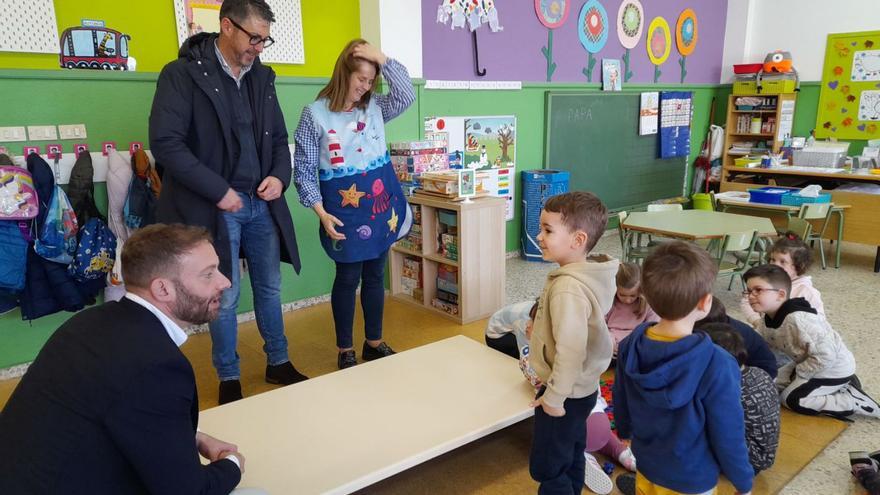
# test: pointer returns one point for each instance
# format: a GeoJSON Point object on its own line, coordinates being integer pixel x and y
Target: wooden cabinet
{"type": "Point", "coordinates": [776, 117]}
{"type": "Point", "coordinates": [473, 251]}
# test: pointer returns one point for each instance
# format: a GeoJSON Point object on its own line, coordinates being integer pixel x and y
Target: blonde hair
{"type": "Point", "coordinates": [337, 89]}
{"type": "Point", "coordinates": [629, 276]}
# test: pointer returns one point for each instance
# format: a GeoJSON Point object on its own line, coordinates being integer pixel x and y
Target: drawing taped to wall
{"type": "Point", "coordinates": [93, 46]}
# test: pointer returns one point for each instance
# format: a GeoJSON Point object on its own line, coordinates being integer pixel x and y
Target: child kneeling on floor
{"type": "Point", "coordinates": [676, 393]}
{"type": "Point", "coordinates": [821, 378]}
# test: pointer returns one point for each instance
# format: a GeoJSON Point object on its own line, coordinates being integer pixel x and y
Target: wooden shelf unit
{"type": "Point", "coordinates": [480, 263]}
{"type": "Point", "coordinates": [730, 134]}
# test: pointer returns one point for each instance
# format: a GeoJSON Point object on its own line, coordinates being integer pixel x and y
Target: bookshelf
{"type": "Point", "coordinates": [465, 263]}
{"type": "Point", "coordinates": [775, 116]}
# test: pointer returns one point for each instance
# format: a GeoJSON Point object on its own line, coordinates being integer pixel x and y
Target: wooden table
{"type": "Point", "coordinates": [696, 224]}
{"type": "Point", "coordinates": [788, 211]}
{"type": "Point", "coordinates": [346, 430]}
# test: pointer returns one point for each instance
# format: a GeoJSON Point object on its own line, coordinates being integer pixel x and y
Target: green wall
{"type": "Point", "coordinates": [153, 30]}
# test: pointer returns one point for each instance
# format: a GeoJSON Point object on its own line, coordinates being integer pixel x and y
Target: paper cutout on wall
{"type": "Point", "coordinates": [686, 37]}
{"type": "Point", "coordinates": [28, 26]}
{"type": "Point", "coordinates": [658, 44]}
{"type": "Point", "coordinates": [675, 121]}
{"type": "Point", "coordinates": [849, 101]}
{"type": "Point", "coordinates": [196, 16]}
{"type": "Point", "coordinates": [593, 32]}
{"type": "Point", "coordinates": [475, 12]}
{"type": "Point", "coordinates": [611, 75]}
{"type": "Point", "coordinates": [869, 106]}
{"type": "Point", "coordinates": [866, 66]}
{"type": "Point", "coordinates": [649, 110]}
{"type": "Point", "coordinates": [490, 142]}
{"type": "Point", "coordinates": [630, 22]}
{"type": "Point", "coordinates": [552, 14]}
{"type": "Point", "coordinates": [95, 47]}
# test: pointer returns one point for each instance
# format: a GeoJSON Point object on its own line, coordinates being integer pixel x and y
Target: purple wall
{"type": "Point", "coordinates": [515, 53]}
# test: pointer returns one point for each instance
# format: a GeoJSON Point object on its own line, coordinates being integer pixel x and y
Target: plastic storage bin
{"type": "Point", "coordinates": [793, 199]}
{"type": "Point", "coordinates": [702, 201]}
{"type": "Point", "coordinates": [768, 195]}
{"type": "Point", "coordinates": [538, 186]}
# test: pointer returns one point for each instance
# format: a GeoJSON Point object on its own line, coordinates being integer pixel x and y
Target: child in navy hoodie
{"type": "Point", "coordinates": [676, 394]}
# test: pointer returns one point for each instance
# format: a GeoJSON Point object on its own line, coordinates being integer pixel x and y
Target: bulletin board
{"type": "Point", "coordinates": [194, 16]}
{"type": "Point", "coordinates": [849, 102]}
{"type": "Point", "coordinates": [28, 26]}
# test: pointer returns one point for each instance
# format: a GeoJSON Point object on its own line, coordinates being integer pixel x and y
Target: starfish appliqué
{"type": "Point", "coordinates": [351, 196]}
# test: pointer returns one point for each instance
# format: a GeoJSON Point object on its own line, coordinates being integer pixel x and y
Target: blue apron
{"type": "Point", "coordinates": [358, 183]}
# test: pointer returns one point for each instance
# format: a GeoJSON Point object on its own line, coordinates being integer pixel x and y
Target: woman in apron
{"type": "Point", "coordinates": [343, 172]}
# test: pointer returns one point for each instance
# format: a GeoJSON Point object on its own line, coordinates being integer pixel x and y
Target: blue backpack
{"type": "Point", "coordinates": [96, 252]}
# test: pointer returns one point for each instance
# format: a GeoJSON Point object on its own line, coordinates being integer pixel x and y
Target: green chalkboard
{"type": "Point", "coordinates": [595, 137]}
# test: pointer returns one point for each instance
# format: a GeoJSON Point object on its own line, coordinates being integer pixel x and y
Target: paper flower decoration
{"type": "Point", "coordinates": [630, 22]}
{"type": "Point", "coordinates": [592, 31]}
{"type": "Point", "coordinates": [552, 13]}
{"type": "Point", "coordinates": [686, 32]}
{"type": "Point", "coordinates": [659, 41]}
{"type": "Point", "coordinates": [686, 37]}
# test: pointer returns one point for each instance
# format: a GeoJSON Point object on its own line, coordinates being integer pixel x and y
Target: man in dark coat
{"type": "Point", "coordinates": [217, 130]}
{"type": "Point", "coordinates": [110, 404]}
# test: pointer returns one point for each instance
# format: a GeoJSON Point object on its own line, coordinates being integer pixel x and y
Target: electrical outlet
{"type": "Point", "coordinates": [11, 134]}
{"type": "Point", "coordinates": [42, 133]}
{"type": "Point", "coordinates": [74, 131]}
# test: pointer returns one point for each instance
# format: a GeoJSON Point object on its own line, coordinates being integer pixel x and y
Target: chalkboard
{"type": "Point", "coordinates": [595, 137]}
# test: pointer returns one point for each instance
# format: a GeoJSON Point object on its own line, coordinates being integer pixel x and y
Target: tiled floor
{"type": "Point", "coordinates": [850, 294]}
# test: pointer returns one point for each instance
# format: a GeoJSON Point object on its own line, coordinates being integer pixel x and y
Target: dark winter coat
{"type": "Point", "coordinates": [191, 137]}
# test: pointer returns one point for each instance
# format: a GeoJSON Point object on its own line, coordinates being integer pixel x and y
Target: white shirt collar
{"type": "Point", "coordinates": [174, 331]}
{"type": "Point", "coordinates": [227, 69]}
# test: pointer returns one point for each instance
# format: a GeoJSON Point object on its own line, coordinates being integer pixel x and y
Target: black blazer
{"type": "Point", "coordinates": [108, 406]}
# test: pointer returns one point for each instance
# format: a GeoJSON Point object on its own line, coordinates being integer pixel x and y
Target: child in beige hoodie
{"type": "Point", "coordinates": [570, 345]}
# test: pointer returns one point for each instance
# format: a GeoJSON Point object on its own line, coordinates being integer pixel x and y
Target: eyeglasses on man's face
{"type": "Point", "coordinates": [757, 291]}
{"type": "Point", "coordinates": [255, 39]}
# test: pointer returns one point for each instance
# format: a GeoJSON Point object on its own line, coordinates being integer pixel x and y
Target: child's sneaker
{"type": "Point", "coordinates": [863, 403]}
{"type": "Point", "coordinates": [595, 478]}
{"type": "Point", "coordinates": [627, 459]}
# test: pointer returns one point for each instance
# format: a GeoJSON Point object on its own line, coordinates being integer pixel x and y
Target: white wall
{"type": "Point", "coordinates": [798, 26]}
{"type": "Point", "coordinates": [395, 26]}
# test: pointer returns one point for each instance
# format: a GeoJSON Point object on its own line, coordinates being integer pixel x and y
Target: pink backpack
{"type": "Point", "coordinates": [18, 199]}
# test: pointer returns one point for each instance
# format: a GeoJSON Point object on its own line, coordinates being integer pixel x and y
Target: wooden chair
{"type": "Point", "coordinates": [817, 211]}
{"type": "Point", "coordinates": [737, 242]}
{"type": "Point", "coordinates": [634, 253]}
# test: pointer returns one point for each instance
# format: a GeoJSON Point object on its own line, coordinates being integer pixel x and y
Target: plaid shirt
{"type": "Point", "coordinates": [307, 138]}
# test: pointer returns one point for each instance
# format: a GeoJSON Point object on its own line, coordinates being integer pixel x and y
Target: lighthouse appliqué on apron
{"type": "Point", "coordinates": [358, 184]}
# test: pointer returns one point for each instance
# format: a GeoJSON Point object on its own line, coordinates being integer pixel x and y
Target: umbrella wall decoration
{"type": "Point", "coordinates": [686, 37]}
{"type": "Point", "coordinates": [630, 22]}
{"type": "Point", "coordinates": [552, 14]}
{"type": "Point", "coordinates": [658, 44]}
{"type": "Point", "coordinates": [592, 31]}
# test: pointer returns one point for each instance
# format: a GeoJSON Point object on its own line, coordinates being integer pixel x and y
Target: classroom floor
{"type": "Point", "coordinates": [812, 457]}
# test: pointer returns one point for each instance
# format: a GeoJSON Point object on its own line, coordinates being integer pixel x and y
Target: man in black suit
{"type": "Point", "coordinates": [110, 403]}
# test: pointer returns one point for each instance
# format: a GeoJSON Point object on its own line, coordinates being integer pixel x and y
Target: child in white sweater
{"type": "Point", "coordinates": [794, 256]}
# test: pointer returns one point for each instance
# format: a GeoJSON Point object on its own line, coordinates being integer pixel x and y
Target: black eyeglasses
{"type": "Point", "coordinates": [758, 290]}
{"type": "Point", "coordinates": [255, 39]}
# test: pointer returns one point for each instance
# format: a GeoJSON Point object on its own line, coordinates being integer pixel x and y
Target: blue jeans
{"type": "Point", "coordinates": [371, 275]}
{"type": "Point", "coordinates": [253, 229]}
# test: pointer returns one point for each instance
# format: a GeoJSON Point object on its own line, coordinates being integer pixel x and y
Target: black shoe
{"type": "Point", "coordinates": [626, 483]}
{"type": "Point", "coordinates": [284, 374]}
{"type": "Point", "coordinates": [230, 391]}
{"type": "Point", "coordinates": [370, 353]}
{"type": "Point", "coordinates": [346, 359]}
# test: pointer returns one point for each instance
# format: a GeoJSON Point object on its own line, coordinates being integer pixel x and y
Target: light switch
{"type": "Point", "coordinates": [11, 134]}
{"type": "Point", "coordinates": [42, 133]}
{"type": "Point", "coordinates": [74, 131]}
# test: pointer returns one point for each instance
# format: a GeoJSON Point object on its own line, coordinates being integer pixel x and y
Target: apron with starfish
{"type": "Point", "coordinates": [358, 183]}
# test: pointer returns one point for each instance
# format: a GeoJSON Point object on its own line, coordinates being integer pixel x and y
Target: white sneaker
{"type": "Point", "coordinates": [595, 478]}
{"type": "Point", "coordinates": [863, 403]}
{"type": "Point", "coordinates": [627, 459]}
